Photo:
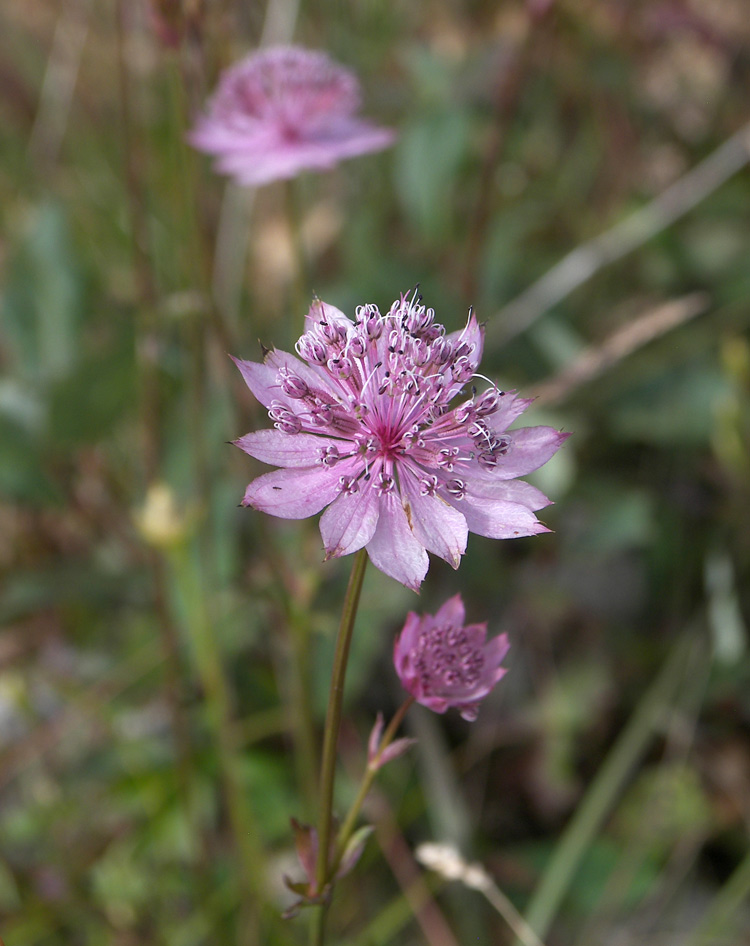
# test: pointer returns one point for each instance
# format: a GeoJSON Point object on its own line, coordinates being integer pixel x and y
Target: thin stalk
{"type": "Point", "coordinates": [150, 416]}
{"type": "Point", "coordinates": [371, 771]}
{"type": "Point", "coordinates": [293, 603]}
{"type": "Point", "coordinates": [396, 915]}
{"type": "Point", "coordinates": [597, 802]}
{"type": "Point", "coordinates": [733, 895]}
{"type": "Point", "coordinates": [300, 289]}
{"type": "Point", "coordinates": [418, 887]}
{"type": "Point", "coordinates": [173, 679]}
{"type": "Point", "coordinates": [199, 257]}
{"type": "Point", "coordinates": [521, 929]}
{"type": "Point", "coordinates": [627, 235]}
{"type": "Point", "coordinates": [508, 92]}
{"type": "Point", "coordinates": [330, 740]}
{"type": "Point", "coordinates": [195, 570]}
{"type": "Point", "coordinates": [244, 829]}
{"type": "Point", "coordinates": [300, 709]}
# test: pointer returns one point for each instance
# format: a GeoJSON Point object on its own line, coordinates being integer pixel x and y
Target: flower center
{"type": "Point", "coordinates": [446, 660]}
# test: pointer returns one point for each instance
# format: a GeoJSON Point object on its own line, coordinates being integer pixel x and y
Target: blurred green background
{"type": "Point", "coordinates": [159, 646]}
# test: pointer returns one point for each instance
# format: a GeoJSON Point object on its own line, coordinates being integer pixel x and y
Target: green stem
{"type": "Point", "coordinates": [198, 258]}
{"type": "Point", "coordinates": [730, 898]}
{"type": "Point", "coordinates": [293, 602]}
{"type": "Point", "coordinates": [371, 771]}
{"type": "Point", "coordinates": [134, 149]}
{"type": "Point", "coordinates": [300, 294]}
{"type": "Point", "coordinates": [593, 809]}
{"type": "Point", "coordinates": [244, 829]}
{"type": "Point", "coordinates": [302, 719]}
{"type": "Point", "coordinates": [330, 740]}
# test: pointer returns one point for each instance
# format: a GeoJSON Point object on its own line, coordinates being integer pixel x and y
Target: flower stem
{"type": "Point", "coordinates": [301, 275]}
{"type": "Point", "coordinates": [245, 831]}
{"type": "Point", "coordinates": [330, 741]}
{"type": "Point", "coordinates": [371, 771]}
{"type": "Point", "coordinates": [597, 803]}
{"type": "Point", "coordinates": [727, 902]}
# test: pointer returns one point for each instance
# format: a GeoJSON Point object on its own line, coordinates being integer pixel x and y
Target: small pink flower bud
{"type": "Point", "coordinates": [443, 663]}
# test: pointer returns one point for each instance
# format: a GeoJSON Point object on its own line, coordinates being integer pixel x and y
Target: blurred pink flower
{"type": "Point", "coordinates": [281, 111]}
{"type": "Point", "coordinates": [444, 664]}
{"type": "Point", "coordinates": [365, 426]}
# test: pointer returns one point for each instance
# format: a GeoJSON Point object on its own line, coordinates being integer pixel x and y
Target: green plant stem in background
{"type": "Point", "coordinates": [508, 90]}
{"type": "Point", "coordinates": [330, 740]}
{"type": "Point", "coordinates": [598, 800]}
{"type": "Point", "coordinates": [198, 258]}
{"type": "Point", "coordinates": [733, 895]}
{"type": "Point", "coordinates": [371, 771]}
{"type": "Point", "coordinates": [207, 655]}
{"type": "Point", "coordinates": [292, 599]}
{"type": "Point", "coordinates": [301, 708]}
{"type": "Point", "coordinates": [150, 416]}
{"type": "Point", "coordinates": [195, 569]}
{"type": "Point", "coordinates": [300, 287]}
{"type": "Point", "coordinates": [628, 234]}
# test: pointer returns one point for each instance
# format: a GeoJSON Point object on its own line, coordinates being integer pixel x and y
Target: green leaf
{"type": "Point", "coordinates": [42, 303]}
{"type": "Point", "coordinates": [22, 475]}
{"type": "Point", "coordinates": [676, 407]}
{"type": "Point", "coordinates": [86, 405]}
{"type": "Point", "coordinates": [427, 160]}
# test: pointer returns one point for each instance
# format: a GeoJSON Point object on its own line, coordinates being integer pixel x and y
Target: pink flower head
{"type": "Point", "coordinates": [281, 111]}
{"type": "Point", "coordinates": [442, 663]}
{"type": "Point", "coordinates": [375, 424]}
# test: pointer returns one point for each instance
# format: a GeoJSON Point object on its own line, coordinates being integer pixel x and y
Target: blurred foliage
{"type": "Point", "coordinates": [164, 654]}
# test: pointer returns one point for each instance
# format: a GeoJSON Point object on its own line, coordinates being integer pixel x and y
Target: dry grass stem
{"type": "Point", "coordinates": [582, 263]}
{"type": "Point", "coordinates": [596, 359]}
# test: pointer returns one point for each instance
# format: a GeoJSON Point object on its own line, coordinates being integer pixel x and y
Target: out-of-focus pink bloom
{"type": "Point", "coordinates": [366, 425]}
{"type": "Point", "coordinates": [444, 664]}
{"type": "Point", "coordinates": [281, 111]}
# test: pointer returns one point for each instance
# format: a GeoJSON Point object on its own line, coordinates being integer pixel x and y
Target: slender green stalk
{"type": "Point", "coordinates": [302, 719]}
{"type": "Point", "coordinates": [370, 772]}
{"type": "Point", "coordinates": [397, 913]}
{"type": "Point", "coordinates": [194, 569]}
{"type": "Point", "coordinates": [301, 277]}
{"type": "Point", "coordinates": [507, 94]}
{"type": "Point", "coordinates": [245, 833]}
{"type": "Point", "coordinates": [608, 783]}
{"type": "Point", "coordinates": [198, 259]}
{"type": "Point", "coordinates": [150, 415]}
{"type": "Point", "coordinates": [730, 898]}
{"type": "Point", "coordinates": [330, 740]}
{"type": "Point", "coordinates": [293, 602]}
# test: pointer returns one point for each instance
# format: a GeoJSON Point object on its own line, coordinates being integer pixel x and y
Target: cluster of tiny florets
{"type": "Point", "coordinates": [446, 660]}
{"type": "Point", "coordinates": [444, 663]}
{"type": "Point", "coordinates": [379, 419]}
{"type": "Point", "coordinates": [295, 88]}
{"type": "Point", "coordinates": [395, 375]}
